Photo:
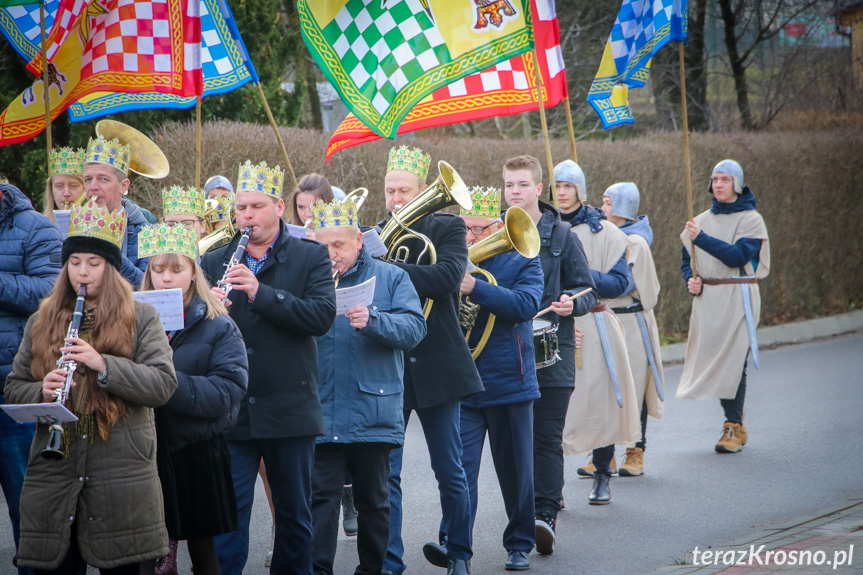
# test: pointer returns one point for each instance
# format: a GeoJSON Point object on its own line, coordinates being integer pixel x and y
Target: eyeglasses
{"type": "Point", "coordinates": [478, 230]}
{"type": "Point", "coordinates": [188, 222]}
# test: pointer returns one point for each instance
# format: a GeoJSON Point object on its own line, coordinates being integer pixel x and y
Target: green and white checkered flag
{"type": "Point", "coordinates": [385, 56]}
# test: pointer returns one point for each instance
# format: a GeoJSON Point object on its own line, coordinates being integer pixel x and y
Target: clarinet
{"type": "Point", "coordinates": [238, 255]}
{"type": "Point", "coordinates": [53, 451]}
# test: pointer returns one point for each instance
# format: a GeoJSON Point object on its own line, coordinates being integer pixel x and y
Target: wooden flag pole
{"type": "Point", "coordinates": [538, 75]}
{"type": "Point", "coordinates": [198, 143]}
{"type": "Point", "coordinates": [686, 147]}
{"type": "Point", "coordinates": [278, 136]}
{"type": "Point", "coordinates": [46, 87]}
{"type": "Point", "coordinates": [570, 128]}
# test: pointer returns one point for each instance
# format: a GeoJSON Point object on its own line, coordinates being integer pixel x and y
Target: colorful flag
{"type": "Point", "coordinates": [501, 90]}
{"type": "Point", "coordinates": [385, 56]}
{"type": "Point", "coordinates": [4, 3]}
{"type": "Point", "coordinates": [118, 45]}
{"type": "Point", "coordinates": [642, 27]}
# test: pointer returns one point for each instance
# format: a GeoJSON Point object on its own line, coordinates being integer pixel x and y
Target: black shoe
{"type": "Point", "coordinates": [349, 512]}
{"type": "Point", "coordinates": [517, 561]}
{"type": "Point", "coordinates": [545, 534]}
{"type": "Point", "coordinates": [601, 493]}
{"type": "Point", "coordinates": [436, 555]}
{"type": "Point", "coordinates": [457, 567]}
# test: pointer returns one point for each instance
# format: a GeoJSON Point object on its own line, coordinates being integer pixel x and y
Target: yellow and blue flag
{"type": "Point", "coordinates": [642, 27]}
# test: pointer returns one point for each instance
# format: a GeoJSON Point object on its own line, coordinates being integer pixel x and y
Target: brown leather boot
{"type": "Point", "coordinates": [633, 462]}
{"type": "Point", "coordinates": [589, 469]}
{"type": "Point", "coordinates": [732, 440]}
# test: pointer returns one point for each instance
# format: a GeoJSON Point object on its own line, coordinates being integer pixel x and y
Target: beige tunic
{"type": "Point", "coordinates": [646, 291]}
{"type": "Point", "coordinates": [718, 339]}
{"type": "Point", "coordinates": [594, 419]}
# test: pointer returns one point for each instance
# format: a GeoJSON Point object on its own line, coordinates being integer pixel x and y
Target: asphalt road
{"type": "Point", "coordinates": [804, 415]}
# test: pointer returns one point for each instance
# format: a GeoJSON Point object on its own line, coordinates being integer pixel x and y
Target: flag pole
{"type": "Point", "coordinates": [686, 145]}
{"type": "Point", "coordinates": [46, 88]}
{"type": "Point", "coordinates": [278, 136]}
{"type": "Point", "coordinates": [570, 128]}
{"type": "Point", "coordinates": [198, 143]}
{"type": "Point", "coordinates": [538, 75]}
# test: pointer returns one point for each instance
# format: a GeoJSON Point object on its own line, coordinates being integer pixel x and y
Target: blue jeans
{"type": "Point", "coordinates": [289, 464]}
{"type": "Point", "coordinates": [441, 427]}
{"type": "Point", "coordinates": [15, 442]}
{"type": "Point", "coordinates": [510, 436]}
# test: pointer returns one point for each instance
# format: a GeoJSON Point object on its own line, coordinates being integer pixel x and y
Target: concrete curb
{"type": "Point", "coordinates": [796, 332]}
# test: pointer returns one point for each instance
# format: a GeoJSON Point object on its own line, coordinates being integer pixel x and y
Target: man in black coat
{"type": "Point", "coordinates": [282, 297]}
{"type": "Point", "coordinates": [566, 272]}
{"type": "Point", "coordinates": [439, 371]}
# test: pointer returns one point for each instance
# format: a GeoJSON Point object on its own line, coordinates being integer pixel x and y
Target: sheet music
{"type": "Point", "coordinates": [169, 304]}
{"type": "Point", "coordinates": [373, 244]}
{"type": "Point", "coordinates": [297, 231]}
{"type": "Point", "coordinates": [61, 220]}
{"type": "Point", "coordinates": [348, 297]}
{"type": "Point", "coordinates": [39, 413]}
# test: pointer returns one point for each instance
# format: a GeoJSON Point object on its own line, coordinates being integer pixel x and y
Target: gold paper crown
{"type": "Point", "coordinates": [337, 214]}
{"type": "Point", "coordinates": [158, 239]}
{"type": "Point", "coordinates": [67, 162]}
{"type": "Point", "coordinates": [260, 178]}
{"type": "Point", "coordinates": [486, 203]}
{"type": "Point", "coordinates": [181, 201]}
{"type": "Point", "coordinates": [411, 160]}
{"type": "Point", "coordinates": [92, 221]}
{"type": "Point", "coordinates": [221, 212]}
{"type": "Point", "coordinates": [110, 152]}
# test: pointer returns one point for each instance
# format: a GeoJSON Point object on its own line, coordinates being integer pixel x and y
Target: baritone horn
{"type": "Point", "coordinates": [518, 233]}
{"type": "Point", "coordinates": [217, 236]}
{"type": "Point", "coordinates": [447, 190]}
{"type": "Point", "coordinates": [147, 159]}
{"type": "Point", "coordinates": [358, 196]}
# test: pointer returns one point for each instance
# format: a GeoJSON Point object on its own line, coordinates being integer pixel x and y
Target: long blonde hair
{"type": "Point", "coordinates": [112, 333]}
{"type": "Point", "coordinates": [200, 285]}
{"type": "Point", "coordinates": [48, 205]}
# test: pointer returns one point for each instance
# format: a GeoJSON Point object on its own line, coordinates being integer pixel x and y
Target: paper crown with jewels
{"type": "Point", "coordinates": [110, 152]}
{"type": "Point", "coordinates": [260, 178]}
{"type": "Point", "coordinates": [337, 214]}
{"type": "Point", "coordinates": [486, 203]}
{"type": "Point", "coordinates": [177, 200]}
{"type": "Point", "coordinates": [223, 209]}
{"type": "Point", "coordinates": [67, 162]}
{"type": "Point", "coordinates": [411, 160]}
{"type": "Point", "coordinates": [158, 239]}
{"type": "Point", "coordinates": [91, 221]}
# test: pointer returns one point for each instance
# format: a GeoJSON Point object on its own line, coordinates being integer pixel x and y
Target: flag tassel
{"type": "Point", "coordinates": [46, 87]}
{"type": "Point", "coordinates": [686, 146]}
{"type": "Point", "coordinates": [544, 128]}
{"type": "Point", "coordinates": [278, 136]}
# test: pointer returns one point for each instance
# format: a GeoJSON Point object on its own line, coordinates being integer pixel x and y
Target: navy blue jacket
{"type": "Point", "coordinates": [213, 375]}
{"type": "Point", "coordinates": [361, 372]}
{"type": "Point", "coordinates": [133, 267]}
{"type": "Point", "coordinates": [30, 247]}
{"type": "Point", "coordinates": [507, 364]}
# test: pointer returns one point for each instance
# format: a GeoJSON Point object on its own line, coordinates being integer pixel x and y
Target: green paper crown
{"type": "Point", "coordinates": [181, 201]}
{"type": "Point", "coordinates": [411, 160]}
{"type": "Point", "coordinates": [337, 214]}
{"type": "Point", "coordinates": [110, 152]}
{"type": "Point", "coordinates": [162, 238]}
{"type": "Point", "coordinates": [91, 221]}
{"type": "Point", "coordinates": [486, 203]}
{"type": "Point", "coordinates": [67, 162]}
{"type": "Point", "coordinates": [260, 178]}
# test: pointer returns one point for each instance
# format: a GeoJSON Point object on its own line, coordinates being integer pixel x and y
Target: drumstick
{"type": "Point", "coordinates": [568, 298]}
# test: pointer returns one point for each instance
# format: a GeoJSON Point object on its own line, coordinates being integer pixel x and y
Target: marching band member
{"type": "Point", "coordinates": [734, 252]}
{"type": "Point", "coordinates": [596, 419]}
{"type": "Point", "coordinates": [212, 371]}
{"type": "Point", "coordinates": [439, 371]}
{"type": "Point", "coordinates": [361, 366]}
{"type": "Point", "coordinates": [508, 370]}
{"type": "Point", "coordinates": [124, 370]}
{"type": "Point", "coordinates": [219, 188]}
{"type": "Point", "coordinates": [312, 189]}
{"type": "Point", "coordinates": [65, 180]}
{"type": "Point", "coordinates": [282, 296]}
{"type": "Point", "coordinates": [634, 309]}
{"type": "Point", "coordinates": [106, 179]}
{"type": "Point", "coordinates": [565, 272]}
{"type": "Point", "coordinates": [185, 206]}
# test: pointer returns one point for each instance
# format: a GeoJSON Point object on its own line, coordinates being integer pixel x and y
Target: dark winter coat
{"type": "Point", "coordinates": [296, 301]}
{"type": "Point", "coordinates": [133, 267]}
{"type": "Point", "coordinates": [29, 263]}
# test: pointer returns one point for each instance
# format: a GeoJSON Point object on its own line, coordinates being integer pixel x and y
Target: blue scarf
{"type": "Point", "coordinates": [744, 202]}
{"type": "Point", "coordinates": [641, 227]}
{"type": "Point", "coordinates": [585, 215]}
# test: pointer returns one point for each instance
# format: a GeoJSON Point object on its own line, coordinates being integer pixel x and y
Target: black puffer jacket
{"type": "Point", "coordinates": [213, 376]}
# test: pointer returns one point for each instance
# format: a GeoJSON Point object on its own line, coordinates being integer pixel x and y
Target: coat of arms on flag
{"type": "Point", "coordinates": [642, 27]}
{"type": "Point", "coordinates": [385, 56]}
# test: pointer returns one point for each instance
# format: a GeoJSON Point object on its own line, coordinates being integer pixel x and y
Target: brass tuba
{"type": "Point", "coordinates": [359, 197]}
{"type": "Point", "coordinates": [217, 237]}
{"type": "Point", "coordinates": [147, 159]}
{"type": "Point", "coordinates": [447, 190]}
{"type": "Point", "coordinates": [518, 233]}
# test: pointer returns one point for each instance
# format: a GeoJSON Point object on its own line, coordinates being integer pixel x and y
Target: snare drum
{"type": "Point", "coordinates": [545, 347]}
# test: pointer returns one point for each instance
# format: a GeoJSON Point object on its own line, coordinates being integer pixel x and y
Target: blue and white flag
{"type": "Point", "coordinates": [225, 62]}
{"type": "Point", "coordinates": [642, 27]}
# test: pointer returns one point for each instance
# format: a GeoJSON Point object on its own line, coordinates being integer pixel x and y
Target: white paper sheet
{"type": "Point", "coordinates": [362, 294]}
{"type": "Point", "coordinates": [38, 412]}
{"type": "Point", "coordinates": [374, 245]}
{"type": "Point", "coordinates": [297, 231]}
{"type": "Point", "coordinates": [169, 304]}
{"type": "Point", "coordinates": [61, 220]}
